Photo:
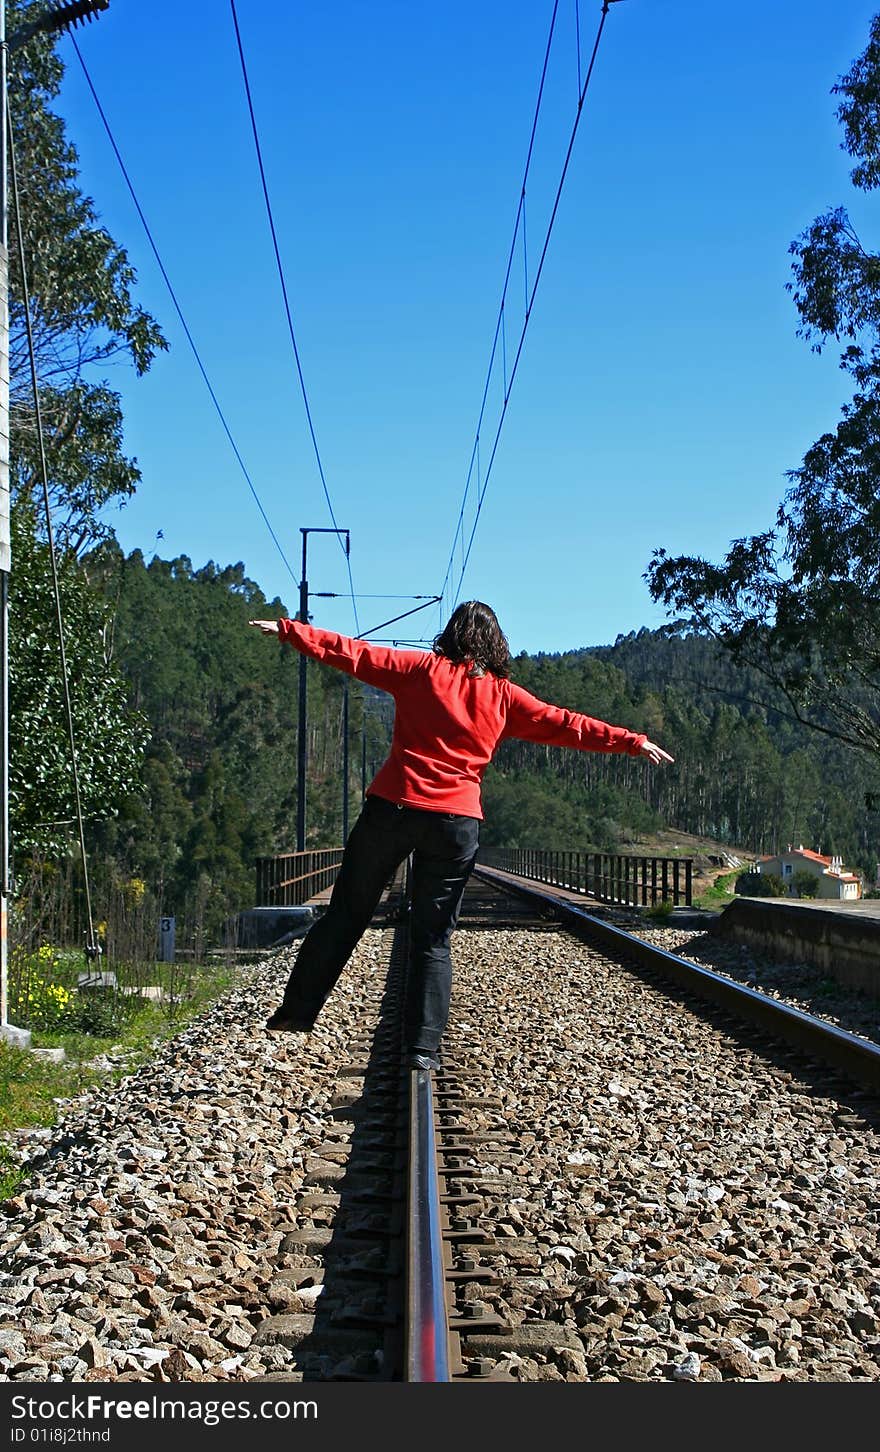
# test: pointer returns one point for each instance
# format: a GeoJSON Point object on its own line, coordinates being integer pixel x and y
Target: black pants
{"type": "Point", "coordinates": [443, 847]}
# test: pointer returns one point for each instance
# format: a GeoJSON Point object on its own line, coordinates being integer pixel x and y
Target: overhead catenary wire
{"type": "Point", "coordinates": [286, 298]}
{"type": "Point", "coordinates": [334, 595]}
{"type": "Point", "coordinates": [183, 323]}
{"type": "Point", "coordinates": [500, 324]}
{"type": "Point", "coordinates": [92, 947]}
{"type": "Point", "coordinates": [431, 600]}
{"type": "Point", "coordinates": [577, 39]}
{"type": "Point", "coordinates": [528, 312]}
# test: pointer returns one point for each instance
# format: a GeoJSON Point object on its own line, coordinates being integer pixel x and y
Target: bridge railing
{"type": "Point", "coordinates": [290, 878]}
{"type": "Point", "coordinates": [607, 877]}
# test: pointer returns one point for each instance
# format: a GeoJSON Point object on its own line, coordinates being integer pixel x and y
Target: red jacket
{"type": "Point", "coordinates": [447, 722]}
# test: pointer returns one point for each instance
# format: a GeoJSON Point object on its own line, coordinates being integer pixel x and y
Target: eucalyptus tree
{"type": "Point", "coordinates": [800, 601]}
{"type": "Point", "coordinates": [84, 317]}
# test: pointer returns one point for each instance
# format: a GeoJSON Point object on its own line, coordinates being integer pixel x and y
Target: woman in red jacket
{"type": "Point", "coordinates": [454, 705]}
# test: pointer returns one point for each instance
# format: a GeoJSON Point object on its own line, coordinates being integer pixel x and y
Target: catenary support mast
{"type": "Point", "coordinates": [301, 750]}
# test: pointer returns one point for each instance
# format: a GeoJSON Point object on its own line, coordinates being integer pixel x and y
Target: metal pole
{"type": "Point", "coordinates": [301, 742]}
{"type": "Point", "coordinates": [364, 754]}
{"type": "Point", "coordinates": [345, 761]}
{"type": "Point", "coordinates": [20, 1036]}
{"type": "Point", "coordinates": [301, 732]}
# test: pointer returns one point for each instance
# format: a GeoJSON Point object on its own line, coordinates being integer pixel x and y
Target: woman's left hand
{"type": "Point", "coordinates": [268, 627]}
{"type": "Point", "coordinates": [654, 753]}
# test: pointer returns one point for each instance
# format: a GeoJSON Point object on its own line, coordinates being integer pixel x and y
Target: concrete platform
{"type": "Point", "coordinates": [841, 938]}
{"type": "Point", "coordinates": [864, 908]}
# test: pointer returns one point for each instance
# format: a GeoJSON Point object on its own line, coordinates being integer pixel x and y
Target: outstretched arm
{"type": "Point", "coordinates": [375, 664]}
{"type": "Point", "coordinates": [530, 719]}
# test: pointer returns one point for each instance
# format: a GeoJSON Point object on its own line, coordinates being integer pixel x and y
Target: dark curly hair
{"type": "Point", "coordinates": [473, 636]}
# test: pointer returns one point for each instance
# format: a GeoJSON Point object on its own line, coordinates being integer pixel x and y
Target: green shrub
{"type": "Point", "coordinates": [39, 999]}
{"type": "Point", "coordinates": [661, 910]}
{"type": "Point", "coordinates": [100, 1012]}
{"type": "Point", "coordinates": [805, 884]}
{"type": "Point", "coordinates": [35, 999]}
{"type": "Point", "coordinates": [777, 887]}
{"type": "Point", "coordinates": [761, 884]}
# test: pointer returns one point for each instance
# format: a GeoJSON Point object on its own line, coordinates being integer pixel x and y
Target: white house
{"type": "Point", "coordinates": [831, 880]}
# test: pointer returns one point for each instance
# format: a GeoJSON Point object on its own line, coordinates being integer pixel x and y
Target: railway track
{"type": "Point", "coordinates": [401, 1253]}
{"type": "Point", "coordinates": [632, 1184]}
{"type": "Point", "coordinates": [855, 1056]}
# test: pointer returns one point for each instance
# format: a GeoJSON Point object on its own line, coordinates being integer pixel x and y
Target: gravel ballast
{"type": "Point", "coordinates": [664, 1201]}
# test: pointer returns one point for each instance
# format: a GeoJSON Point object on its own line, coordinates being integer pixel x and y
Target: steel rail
{"type": "Point", "coordinates": [427, 1325]}
{"type": "Point", "coordinates": [856, 1057]}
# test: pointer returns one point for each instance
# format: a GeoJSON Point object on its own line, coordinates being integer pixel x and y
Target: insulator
{"type": "Point", "coordinates": [63, 17]}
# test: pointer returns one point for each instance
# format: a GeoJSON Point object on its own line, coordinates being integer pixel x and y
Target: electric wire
{"type": "Point", "coordinates": [332, 595]}
{"type": "Point", "coordinates": [577, 39]}
{"type": "Point", "coordinates": [284, 293]}
{"type": "Point", "coordinates": [183, 323]}
{"type": "Point", "coordinates": [431, 600]}
{"type": "Point", "coordinates": [500, 322]}
{"type": "Point", "coordinates": [531, 299]}
{"type": "Point", "coordinates": [91, 940]}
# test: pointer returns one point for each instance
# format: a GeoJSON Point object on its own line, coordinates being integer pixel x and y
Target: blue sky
{"type": "Point", "coordinates": [662, 391]}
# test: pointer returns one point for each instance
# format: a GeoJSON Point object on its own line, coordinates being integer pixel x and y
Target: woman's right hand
{"type": "Point", "coordinates": [654, 753]}
{"type": "Point", "coordinates": [268, 627]}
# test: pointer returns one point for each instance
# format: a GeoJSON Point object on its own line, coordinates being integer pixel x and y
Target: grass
{"type": "Point", "coordinates": [720, 893]}
{"type": "Point", "coordinates": [29, 1090]}
{"type": "Point", "coordinates": [660, 911]}
{"type": "Point", "coordinates": [32, 1088]}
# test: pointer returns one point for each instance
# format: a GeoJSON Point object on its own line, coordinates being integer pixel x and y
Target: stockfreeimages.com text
{"type": "Point", "coordinates": [210, 1413]}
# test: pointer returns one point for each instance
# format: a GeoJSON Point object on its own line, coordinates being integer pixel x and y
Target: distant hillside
{"type": "Point", "coordinates": [745, 771]}
{"type": "Point", "coordinates": [219, 780]}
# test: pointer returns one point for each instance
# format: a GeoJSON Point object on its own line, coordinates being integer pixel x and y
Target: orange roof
{"type": "Point", "coordinates": [799, 852]}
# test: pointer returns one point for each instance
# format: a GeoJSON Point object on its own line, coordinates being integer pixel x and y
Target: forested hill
{"type": "Point", "coordinates": [746, 772]}
{"type": "Point", "coordinates": [216, 785]}
{"type": "Point", "coordinates": [218, 782]}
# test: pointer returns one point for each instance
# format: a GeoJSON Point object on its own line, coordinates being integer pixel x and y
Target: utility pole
{"type": "Point", "coordinates": [301, 729]}
{"type": "Point", "coordinates": [58, 17]}
{"type": "Point", "coordinates": [364, 755]}
{"type": "Point", "coordinates": [345, 761]}
{"type": "Point", "coordinates": [301, 725]}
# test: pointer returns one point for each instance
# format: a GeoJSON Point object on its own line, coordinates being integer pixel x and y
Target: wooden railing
{"type": "Point", "coordinates": [293, 877]}
{"type": "Point", "coordinates": [630, 881]}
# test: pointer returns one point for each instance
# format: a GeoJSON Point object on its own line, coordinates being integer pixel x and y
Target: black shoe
{"type": "Point", "coordinates": [279, 1023]}
{"type": "Point", "coordinates": [422, 1061]}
